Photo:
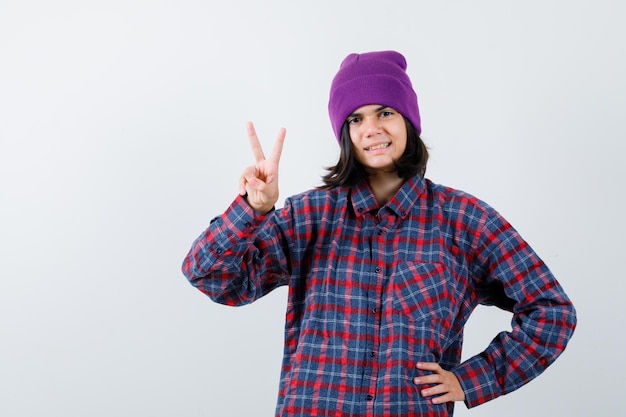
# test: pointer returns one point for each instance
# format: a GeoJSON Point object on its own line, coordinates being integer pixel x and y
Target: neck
{"type": "Point", "coordinates": [384, 186]}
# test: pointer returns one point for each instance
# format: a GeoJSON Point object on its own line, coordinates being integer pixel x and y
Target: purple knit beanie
{"type": "Point", "coordinates": [372, 78]}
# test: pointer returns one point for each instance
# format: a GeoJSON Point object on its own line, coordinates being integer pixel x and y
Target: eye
{"type": "Point", "coordinates": [386, 113]}
{"type": "Point", "coordinates": [353, 120]}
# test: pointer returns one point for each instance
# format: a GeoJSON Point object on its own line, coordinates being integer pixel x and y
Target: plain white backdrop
{"type": "Point", "coordinates": [122, 133]}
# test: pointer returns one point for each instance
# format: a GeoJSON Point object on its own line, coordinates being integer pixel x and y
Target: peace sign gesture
{"type": "Point", "coordinates": [260, 181]}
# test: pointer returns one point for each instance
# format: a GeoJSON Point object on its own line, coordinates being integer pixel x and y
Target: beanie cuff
{"type": "Point", "coordinates": [380, 87]}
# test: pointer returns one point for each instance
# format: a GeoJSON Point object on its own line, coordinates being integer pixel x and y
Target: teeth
{"type": "Point", "coordinates": [381, 146]}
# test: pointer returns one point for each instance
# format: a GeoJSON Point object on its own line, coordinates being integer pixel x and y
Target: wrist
{"type": "Point", "coordinates": [262, 209]}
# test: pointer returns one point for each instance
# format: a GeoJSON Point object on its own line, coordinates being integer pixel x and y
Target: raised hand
{"type": "Point", "coordinates": [260, 181]}
{"type": "Point", "coordinates": [443, 383]}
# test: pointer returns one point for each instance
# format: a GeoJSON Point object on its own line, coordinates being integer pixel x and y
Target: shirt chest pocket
{"type": "Point", "coordinates": [423, 292]}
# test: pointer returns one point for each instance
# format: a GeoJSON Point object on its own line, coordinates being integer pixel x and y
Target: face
{"type": "Point", "coordinates": [378, 136]}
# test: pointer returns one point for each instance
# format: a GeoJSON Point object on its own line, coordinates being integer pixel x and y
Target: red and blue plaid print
{"type": "Point", "coordinates": [374, 290]}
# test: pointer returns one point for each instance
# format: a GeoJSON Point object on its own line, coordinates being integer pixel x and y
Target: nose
{"type": "Point", "coordinates": [371, 126]}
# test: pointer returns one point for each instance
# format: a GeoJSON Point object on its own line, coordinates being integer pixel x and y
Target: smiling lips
{"type": "Point", "coordinates": [379, 146]}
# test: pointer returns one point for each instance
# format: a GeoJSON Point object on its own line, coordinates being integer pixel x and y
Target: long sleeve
{"type": "Point", "coordinates": [507, 273]}
{"type": "Point", "coordinates": [374, 289]}
{"type": "Point", "coordinates": [239, 258]}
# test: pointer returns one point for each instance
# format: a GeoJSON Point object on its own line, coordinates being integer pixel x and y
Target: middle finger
{"type": "Point", "coordinates": [255, 144]}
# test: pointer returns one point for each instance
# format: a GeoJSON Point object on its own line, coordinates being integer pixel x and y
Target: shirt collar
{"type": "Point", "coordinates": [363, 199]}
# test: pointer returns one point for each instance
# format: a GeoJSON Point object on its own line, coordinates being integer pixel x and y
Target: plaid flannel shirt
{"type": "Point", "coordinates": [373, 290]}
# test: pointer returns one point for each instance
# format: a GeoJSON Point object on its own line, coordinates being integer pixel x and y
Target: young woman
{"type": "Point", "coordinates": [384, 267]}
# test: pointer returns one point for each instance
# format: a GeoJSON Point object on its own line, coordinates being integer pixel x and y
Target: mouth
{"type": "Point", "coordinates": [379, 146]}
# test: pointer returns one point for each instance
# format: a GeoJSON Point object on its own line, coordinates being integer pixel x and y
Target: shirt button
{"type": "Point", "coordinates": [372, 354]}
{"type": "Point", "coordinates": [369, 397]}
{"type": "Point", "coordinates": [374, 310]}
{"type": "Point", "coordinates": [248, 224]}
{"type": "Point", "coordinates": [377, 269]}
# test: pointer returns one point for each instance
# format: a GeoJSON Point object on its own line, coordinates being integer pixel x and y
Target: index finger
{"type": "Point", "coordinates": [255, 144]}
{"type": "Point", "coordinates": [278, 146]}
{"type": "Point", "coordinates": [428, 366]}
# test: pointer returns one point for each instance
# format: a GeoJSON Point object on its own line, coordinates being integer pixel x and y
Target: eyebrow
{"type": "Point", "coordinates": [375, 111]}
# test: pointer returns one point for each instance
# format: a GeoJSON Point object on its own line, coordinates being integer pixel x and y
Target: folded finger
{"type": "Point", "coordinates": [255, 182]}
{"type": "Point", "coordinates": [242, 185]}
{"type": "Point", "coordinates": [248, 178]}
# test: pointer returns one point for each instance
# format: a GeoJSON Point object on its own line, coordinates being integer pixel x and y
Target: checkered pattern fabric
{"type": "Point", "coordinates": [373, 290]}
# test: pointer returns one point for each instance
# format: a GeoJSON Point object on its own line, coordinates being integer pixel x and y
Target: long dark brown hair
{"type": "Point", "coordinates": [348, 171]}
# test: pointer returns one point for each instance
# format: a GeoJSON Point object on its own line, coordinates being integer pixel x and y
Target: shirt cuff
{"type": "Point", "coordinates": [477, 380]}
